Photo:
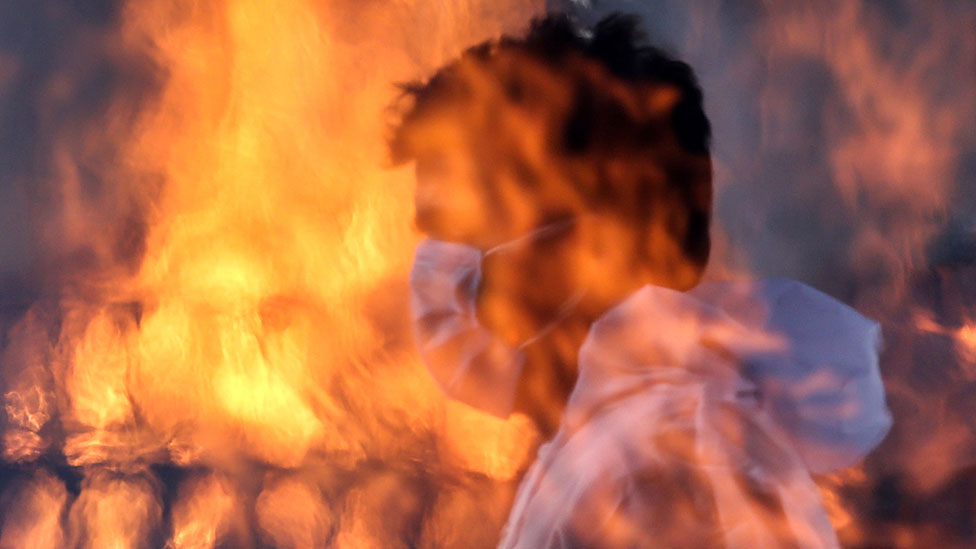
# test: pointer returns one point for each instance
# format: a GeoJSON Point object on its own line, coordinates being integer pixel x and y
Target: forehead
{"type": "Point", "coordinates": [483, 100]}
{"type": "Point", "coordinates": [540, 111]}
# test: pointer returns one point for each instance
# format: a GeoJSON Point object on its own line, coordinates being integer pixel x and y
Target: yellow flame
{"type": "Point", "coordinates": [965, 338]}
{"type": "Point", "coordinates": [203, 513]}
{"type": "Point", "coordinates": [114, 512]}
{"type": "Point", "coordinates": [266, 322]}
{"type": "Point", "coordinates": [294, 514]}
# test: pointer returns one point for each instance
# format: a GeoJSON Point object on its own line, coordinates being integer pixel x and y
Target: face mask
{"type": "Point", "coordinates": [469, 362]}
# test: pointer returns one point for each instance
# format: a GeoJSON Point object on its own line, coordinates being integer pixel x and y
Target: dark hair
{"type": "Point", "coordinates": [604, 98]}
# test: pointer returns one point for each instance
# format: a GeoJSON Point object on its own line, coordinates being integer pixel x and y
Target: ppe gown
{"type": "Point", "coordinates": [696, 419]}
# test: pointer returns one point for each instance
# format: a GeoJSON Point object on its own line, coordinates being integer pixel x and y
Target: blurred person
{"type": "Point", "coordinates": [564, 181]}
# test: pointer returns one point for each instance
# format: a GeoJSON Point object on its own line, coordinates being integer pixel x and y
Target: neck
{"type": "Point", "coordinates": [550, 372]}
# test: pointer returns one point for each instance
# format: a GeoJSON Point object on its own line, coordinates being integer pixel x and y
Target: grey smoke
{"type": "Point", "coordinates": [777, 197]}
{"type": "Point", "coordinates": [780, 204]}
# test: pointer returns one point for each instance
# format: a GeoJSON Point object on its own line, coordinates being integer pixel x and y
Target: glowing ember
{"type": "Point", "coordinates": [963, 338]}
{"type": "Point", "coordinates": [966, 346]}
{"type": "Point", "coordinates": [204, 512]}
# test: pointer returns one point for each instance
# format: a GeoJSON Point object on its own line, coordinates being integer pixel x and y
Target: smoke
{"type": "Point", "coordinates": [836, 124]}
{"type": "Point", "coordinates": [845, 158]}
{"type": "Point", "coordinates": [203, 278]}
{"type": "Point", "coordinates": [68, 96]}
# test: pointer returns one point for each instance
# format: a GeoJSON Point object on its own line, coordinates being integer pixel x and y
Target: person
{"type": "Point", "coordinates": [564, 181]}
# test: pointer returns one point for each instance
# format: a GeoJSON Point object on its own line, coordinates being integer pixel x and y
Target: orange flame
{"type": "Point", "coordinates": [266, 320]}
{"type": "Point", "coordinates": [263, 327]}
{"type": "Point", "coordinates": [204, 513]}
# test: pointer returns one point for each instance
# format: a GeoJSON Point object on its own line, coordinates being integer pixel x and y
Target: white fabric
{"type": "Point", "coordinates": [468, 363]}
{"type": "Point", "coordinates": [750, 385]}
{"type": "Point", "coordinates": [824, 386]}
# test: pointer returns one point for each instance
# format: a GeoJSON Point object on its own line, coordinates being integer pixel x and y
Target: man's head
{"type": "Point", "coordinates": [563, 124]}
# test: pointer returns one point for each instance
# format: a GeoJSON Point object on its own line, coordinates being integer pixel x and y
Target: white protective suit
{"type": "Point", "coordinates": [749, 386]}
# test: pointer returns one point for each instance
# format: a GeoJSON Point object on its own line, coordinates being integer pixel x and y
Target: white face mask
{"type": "Point", "coordinates": [470, 363]}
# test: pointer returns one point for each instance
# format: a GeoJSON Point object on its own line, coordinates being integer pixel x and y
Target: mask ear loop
{"type": "Point", "coordinates": [549, 228]}
{"type": "Point", "coordinates": [564, 311]}
{"type": "Point", "coordinates": [569, 304]}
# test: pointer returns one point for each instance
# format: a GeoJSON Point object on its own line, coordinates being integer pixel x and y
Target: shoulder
{"type": "Point", "coordinates": [823, 384]}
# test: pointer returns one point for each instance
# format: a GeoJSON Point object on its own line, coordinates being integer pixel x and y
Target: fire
{"type": "Point", "coordinates": [35, 520]}
{"type": "Point", "coordinates": [114, 511]}
{"type": "Point", "coordinates": [966, 346]}
{"type": "Point", "coordinates": [225, 296]}
{"type": "Point", "coordinates": [294, 514]}
{"type": "Point", "coordinates": [880, 146]}
{"type": "Point", "coordinates": [262, 323]}
{"type": "Point", "coordinates": [963, 340]}
{"type": "Point", "coordinates": [205, 511]}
